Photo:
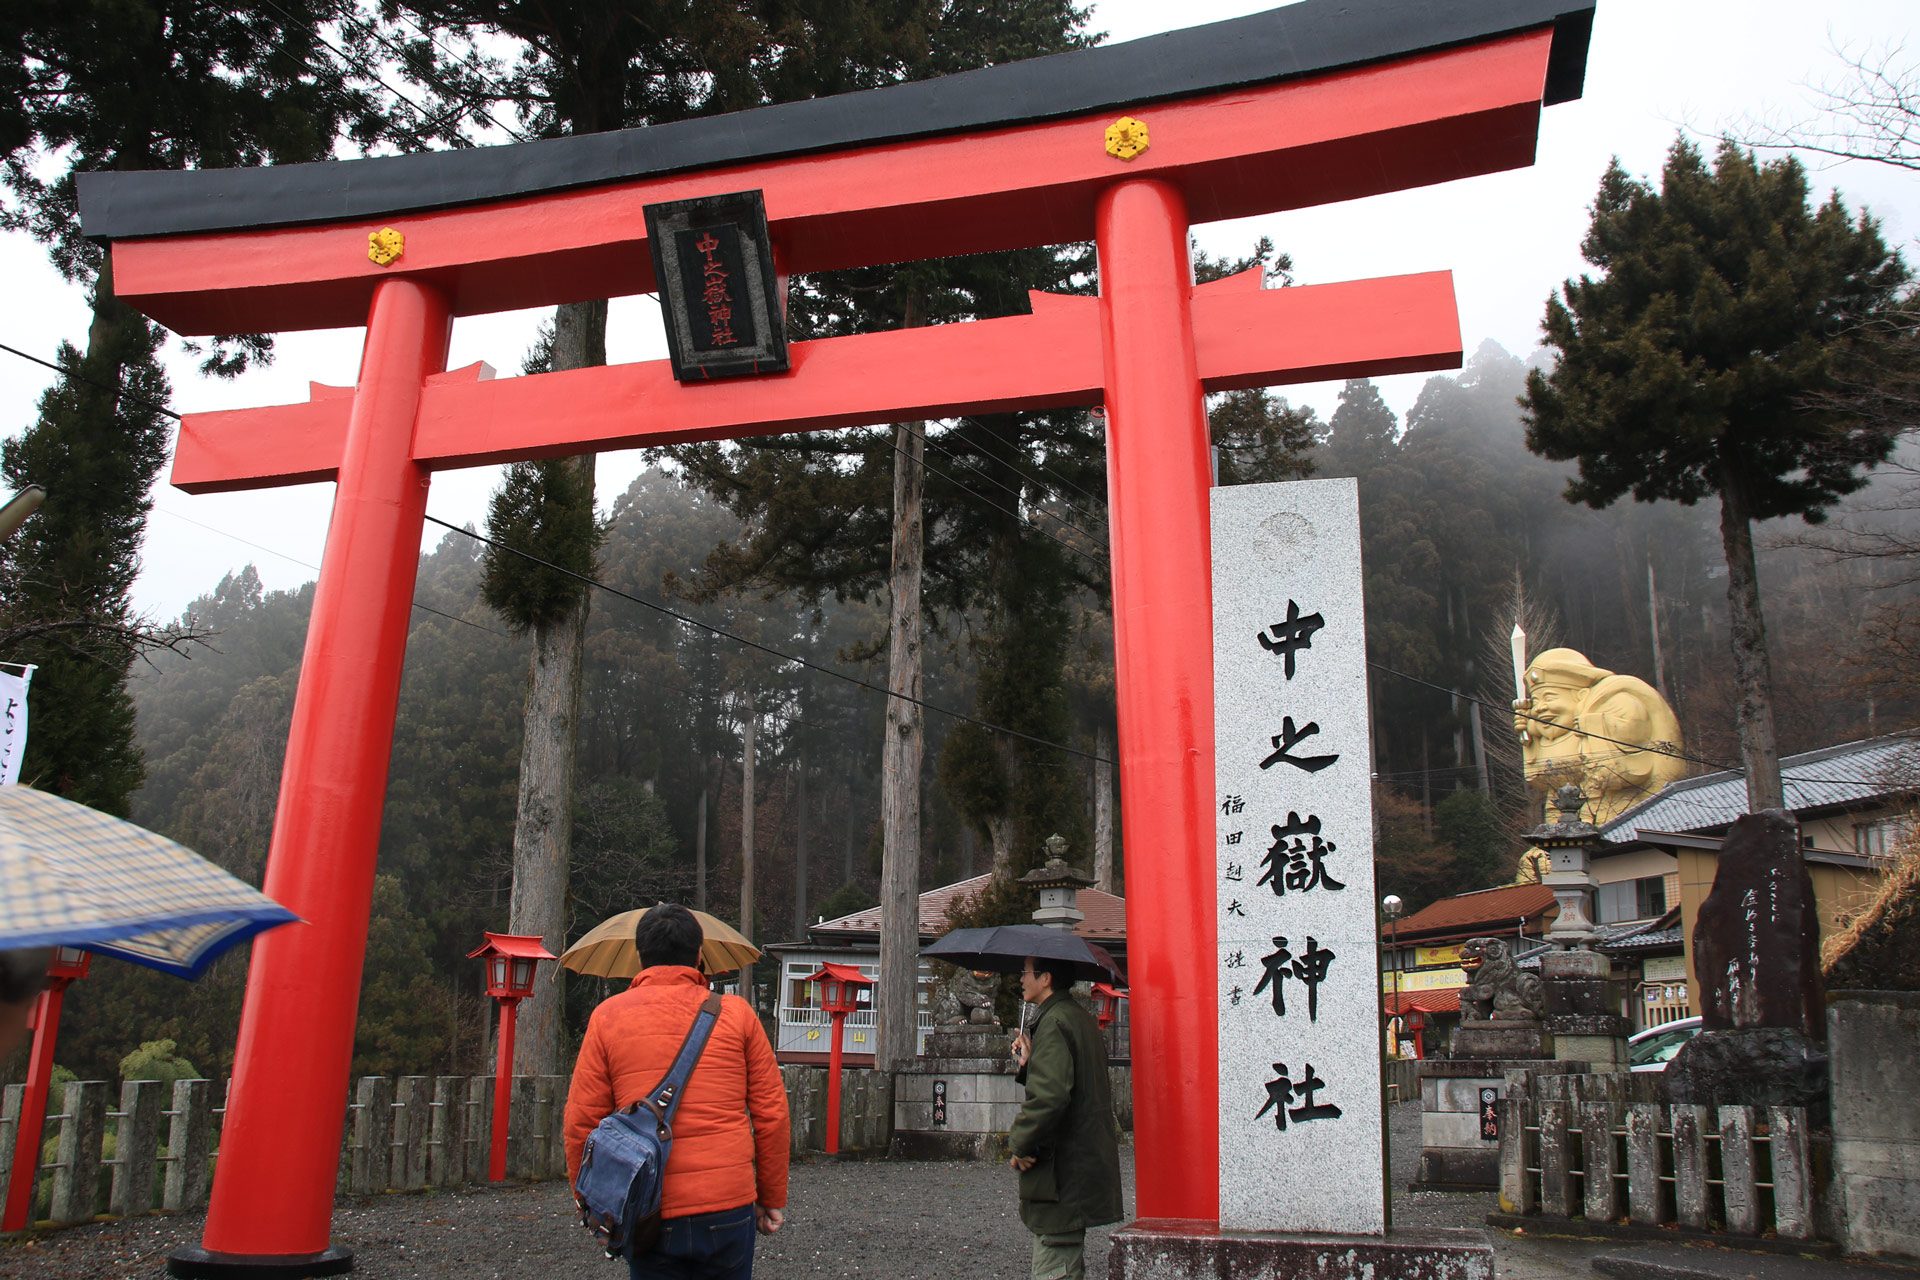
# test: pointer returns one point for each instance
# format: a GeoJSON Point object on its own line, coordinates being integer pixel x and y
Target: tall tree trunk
{"type": "Point", "coordinates": [800, 859]}
{"type": "Point", "coordinates": [1103, 810]}
{"type": "Point", "coordinates": [543, 824]}
{"type": "Point", "coordinates": [1753, 676]}
{"type": "Point", "coordinates": [969, 850]}
{"type": "Point", "coordinates": [846, 850]}
{"type": "Point", "coordinates": [746, 821]}
{"type": "Point", "coordinates": [700, 853]}
{"type": "Point", "coordinates": [1653, 628]}
{"type": "Point", "coordinates": [895, 1008]}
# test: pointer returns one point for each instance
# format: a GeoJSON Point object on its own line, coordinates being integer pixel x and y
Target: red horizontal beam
{"type": "Point", "coordinates": [1243, 337]}
{"type": "Point", "coordinates": [1424, 120]}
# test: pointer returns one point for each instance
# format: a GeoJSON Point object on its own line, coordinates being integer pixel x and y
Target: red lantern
{"type": "Point", "coordinates": [66, 965]}
{"type": "Point", "coordinates": [840, 988]}
{"type": "Point", "coordinates": [512, 960]}
{"type": "Point", "coordinates": [1106, 1003]}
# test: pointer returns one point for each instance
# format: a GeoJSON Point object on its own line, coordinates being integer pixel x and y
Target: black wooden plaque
{"type": "Point", "coordinates": [939, 1104]}
{"type": "Point", "coordinates": [718, 291]}
{"type": "Point", "coordinates": [1489, 1115]}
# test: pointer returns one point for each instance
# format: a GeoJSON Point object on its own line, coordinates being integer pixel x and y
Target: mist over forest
{"type": "Point", "coordinates": [1462, 526]}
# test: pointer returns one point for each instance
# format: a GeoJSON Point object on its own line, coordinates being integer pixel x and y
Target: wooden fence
{"type": "Point", "coordinates": [1603, 1148]}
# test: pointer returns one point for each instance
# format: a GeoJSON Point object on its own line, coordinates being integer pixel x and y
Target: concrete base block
{"type": "Point", "coordinates": [941, 1144]}
{"type": "Point", "coordinates": [1179, 1249]}
{"type": "Point", "coordinates": [1502, 1038]}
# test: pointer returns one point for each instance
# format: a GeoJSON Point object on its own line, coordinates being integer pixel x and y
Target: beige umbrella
{"type": "Point", "coordinates": [607, 951]}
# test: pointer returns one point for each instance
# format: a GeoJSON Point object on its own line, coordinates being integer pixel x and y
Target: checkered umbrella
{"type": "Point", "coordinates": [73, 876]}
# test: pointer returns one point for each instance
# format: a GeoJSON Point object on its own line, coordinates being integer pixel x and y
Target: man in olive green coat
{"type": "Point", "coordinates": [1064, 1143]}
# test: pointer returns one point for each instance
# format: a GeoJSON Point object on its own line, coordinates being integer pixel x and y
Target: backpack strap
{"type": "Point", "coordinates": [664, 1099]}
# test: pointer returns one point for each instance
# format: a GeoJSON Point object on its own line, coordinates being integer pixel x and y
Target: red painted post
{"type": "Point", "coordinates": [1158, 473]}
{"type": "Point", "coordinates": [502, 1093]}
{"type": "Point", "coordinates": [33, 1109]}
{"type": "Point", "coordinates": [273, 1185]}
{"type": "Point", "coordinates": [833, 1085]}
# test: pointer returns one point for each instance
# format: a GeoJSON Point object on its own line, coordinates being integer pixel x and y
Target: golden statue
{"type": "Point", "coordinates": [1585, 725]}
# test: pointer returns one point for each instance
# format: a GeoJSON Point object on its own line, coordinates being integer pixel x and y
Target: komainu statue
{"type": "Point", "coordinates": [964, 999]}
{"type": "Point", "coordinates": [1590, 727]}
{"type": "Point", "coordinates": [1498, 988]}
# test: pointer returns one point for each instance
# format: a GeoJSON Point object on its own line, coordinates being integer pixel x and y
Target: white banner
{"type": "Point", "coordinates": [13, 723]}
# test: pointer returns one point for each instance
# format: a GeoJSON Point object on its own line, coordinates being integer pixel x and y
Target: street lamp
{"type": "Point", "coordinates": [67, 965]}
{"type": "Point", "coordinates": [512, 959]}
{"type": "Point", "coordinates": [1106, 1003]}
{"type": "Point", "coordinates": [840, 987]}
{"type": "Point", "coordinates": [1392, 907]}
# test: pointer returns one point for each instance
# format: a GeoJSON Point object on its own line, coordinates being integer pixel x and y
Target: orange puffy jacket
{"type": "Point", "coordinates": [730, 1135]}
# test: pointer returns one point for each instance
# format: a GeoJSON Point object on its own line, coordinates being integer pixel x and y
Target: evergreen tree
{"type": "Point", "coordinates": [1685, 370]}
{"type": "Point", "coordinates": [125, 84]}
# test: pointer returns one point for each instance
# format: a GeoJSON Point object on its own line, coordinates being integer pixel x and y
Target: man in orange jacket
{"type": "Point", "coordinates": [727, 1173]}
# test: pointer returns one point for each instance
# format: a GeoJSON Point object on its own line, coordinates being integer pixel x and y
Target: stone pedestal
{"type": "Point", "coordinates": [1751, 1066]}
{"type": "Point", "coordinates": [1455, 1152]}
{"type": "Point", "coordinates": [1477, 1040]}
{"type": "Point", "coordinates": [1583, 1009]}
{"type": "Point", "coordinates": [1176, 1249]}
{"type": "Point", "coordinates": [957, 1101]}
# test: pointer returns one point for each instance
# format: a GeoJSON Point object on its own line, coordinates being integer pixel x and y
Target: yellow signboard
{"type": "Point", "coordinates": [1425, 980]}
{"type": "Point", "coordinates": [1423, 957]}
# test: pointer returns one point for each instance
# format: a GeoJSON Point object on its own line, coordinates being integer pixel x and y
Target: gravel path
{"type": "Point", "coordinates": [858, 1219]}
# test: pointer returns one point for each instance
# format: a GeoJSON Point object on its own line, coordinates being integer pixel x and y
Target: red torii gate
{"type": "Point", "coordinates": [1300, 106]}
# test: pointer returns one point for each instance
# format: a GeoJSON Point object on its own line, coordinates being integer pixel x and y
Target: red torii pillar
{"type": "Point", "coordinates": [1148, 347]}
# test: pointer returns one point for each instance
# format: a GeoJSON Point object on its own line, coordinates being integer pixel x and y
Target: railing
{"type": "Point", "coordinates": [1598, 1147]}
{"type": "Point", "coordinates": [407, 1135]}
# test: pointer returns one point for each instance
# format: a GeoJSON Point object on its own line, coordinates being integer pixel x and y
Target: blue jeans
{"type": "Point", "coordinates": [701, 1246]}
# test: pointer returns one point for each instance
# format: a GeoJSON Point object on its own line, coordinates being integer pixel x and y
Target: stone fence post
{"type": "Point", "coordinates": [76, 1176]}
{"type": "Point", "coordinates": [189, 1138]}
{"type": "Point", "coordinates": [136, 1148]}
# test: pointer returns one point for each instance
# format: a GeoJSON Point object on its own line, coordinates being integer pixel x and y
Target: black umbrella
{"type": "Point", "coordinates": [1002, 948]}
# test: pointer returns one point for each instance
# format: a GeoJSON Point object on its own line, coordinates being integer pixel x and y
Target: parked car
{"type": "Point", "coordinates": [1652, 1049]}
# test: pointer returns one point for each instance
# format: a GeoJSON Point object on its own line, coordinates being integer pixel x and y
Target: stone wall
{"type": "Point", "coordinates": [1872, 1038]}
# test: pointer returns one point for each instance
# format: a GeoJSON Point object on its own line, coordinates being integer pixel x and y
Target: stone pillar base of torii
{"type": "Point", "coordinates": [1303, 1143]}
{"type": "Point", "coordinates": [1175, 1249]}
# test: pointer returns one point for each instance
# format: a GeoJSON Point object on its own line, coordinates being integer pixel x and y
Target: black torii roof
{"type": "Point", "coordinates": [1309, 38]}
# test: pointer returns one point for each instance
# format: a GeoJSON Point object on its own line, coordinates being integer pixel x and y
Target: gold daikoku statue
{"type": "Point", "coordinates": [1590, 727]}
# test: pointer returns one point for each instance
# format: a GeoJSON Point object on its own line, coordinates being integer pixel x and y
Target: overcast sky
{"type": "Point", "coordinates": [1509, 239]}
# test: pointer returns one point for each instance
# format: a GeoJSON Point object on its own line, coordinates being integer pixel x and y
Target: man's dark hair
{"type": "Point", "coordinates": [23, 974]}
{"type": "Point", "coordinates": [1061, 971]}
{"type": "Point", "coordinates": [668, 934]}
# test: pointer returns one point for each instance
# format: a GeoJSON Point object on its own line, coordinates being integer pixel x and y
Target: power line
{"type": "Point", "coordinates": [427, 608]}
{"type": "Point", "coordinates": [75, 374]}
{"type": "Point", "coordinates": [808, 663]}
{"type": "Point", "coordinates": [1018, 494]}
{"type": "Point", "coordinates": [983, 498]}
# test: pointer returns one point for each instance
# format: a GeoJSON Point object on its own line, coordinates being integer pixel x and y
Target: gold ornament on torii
{"type": "Point", "coordinates": [1606, 733]}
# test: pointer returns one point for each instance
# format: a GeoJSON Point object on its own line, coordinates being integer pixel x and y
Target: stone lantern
{"type": "Point", "coordinates": [1059, 885]}
{"type": "Point", "coordinates": [1569, 845]}
{"type": "Point", "coordinates": [1581, 1000]}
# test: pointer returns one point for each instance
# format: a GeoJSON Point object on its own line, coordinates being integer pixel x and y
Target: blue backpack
{"type": "Point", "coordinates": [625, 1160]}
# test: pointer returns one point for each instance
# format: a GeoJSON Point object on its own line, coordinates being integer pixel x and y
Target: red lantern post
{"type": "Point", "coordinates": [68, 964]}
{"type": "Point", "coordinates": [512, 960]}
{"type": "Point", "coordinates": [840, 987]}
{"type": "Point", "coordinates": [1106, 1003]}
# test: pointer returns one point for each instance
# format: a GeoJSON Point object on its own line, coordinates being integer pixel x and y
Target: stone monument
{"type": "Point", "coordinates": [1585, 726]}
{"type": "Point", "coordinates": [1756, 959]}
{"type": "Point", "coordinates": [1302, 1133]}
